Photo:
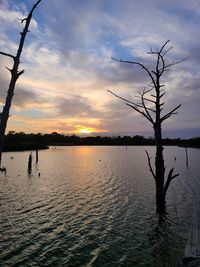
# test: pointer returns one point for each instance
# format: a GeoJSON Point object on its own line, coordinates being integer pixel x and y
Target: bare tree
{"type": "Point", "coordinates": [15, 74]}
{"type": "Point", "coordinates": [151, 107]}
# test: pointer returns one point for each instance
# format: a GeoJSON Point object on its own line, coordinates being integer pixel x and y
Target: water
{"type": "Point", "coordinates": [95, 206]}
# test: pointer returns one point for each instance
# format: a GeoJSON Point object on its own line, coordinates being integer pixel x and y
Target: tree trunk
{"type": "Point", "coordinates": [6, 108]}
{"type": "Point", "coordinates": [15, 74]}
{"type": "Point", "coordinates": [160, 170]}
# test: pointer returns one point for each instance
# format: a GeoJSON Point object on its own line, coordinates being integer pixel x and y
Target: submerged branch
{"type": "Point", "coordinates": [149, 163]}
{"type": "Point", "coordinates": [169, 179]}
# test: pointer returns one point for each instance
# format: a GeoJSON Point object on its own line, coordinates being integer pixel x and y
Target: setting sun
{"type": "Point", "coordinates": [85, 130]}
{"type": "Point", "coordinates": [88, 130]}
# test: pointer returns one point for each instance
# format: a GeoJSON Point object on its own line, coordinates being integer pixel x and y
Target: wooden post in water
{"type": "Point", "coordinates": [36, 155]}
{"type": "Point", "coordinates": [186, 155]}
{"type": "Point", "coordinates": [30, 163]}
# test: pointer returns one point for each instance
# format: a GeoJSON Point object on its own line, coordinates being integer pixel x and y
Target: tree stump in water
{"type": "Point", "coordinates": [36, 160]}
{"type": "Point", "coordinates": [30, 163]}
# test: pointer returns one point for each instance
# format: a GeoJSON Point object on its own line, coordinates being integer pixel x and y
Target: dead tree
{"type": "Point", "coordinates": [15, 74]}
{"type": "Point", "coordinates": [151, 107]}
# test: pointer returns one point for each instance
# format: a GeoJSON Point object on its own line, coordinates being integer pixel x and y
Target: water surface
{"type": "Point", "coordinates": [95, 206]}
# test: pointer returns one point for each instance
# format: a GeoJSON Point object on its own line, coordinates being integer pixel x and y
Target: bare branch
{"type": "Point", "coordinates": [146, 108]}
{"type": "Point", "coordinates": [20, 73]}
{"type": "Point", "coordinates": [9, 69]}
{"type": "Point", "coordinates": [147, 99]}
{"type": "Point", "coordinates": [160, 71]}
{"type": "Point", "coordinates": [141, 112]}
{"type": "Point", "coordinates": [22, 20]}
{"type": "Point", "coordinates": [175, 62]}
{"type": "Point", "coordinates": [7, 55]}
{"type": "Point", "coordinates": [160, 59]}
{"type": "Point", "coordinates": [164, 46]}
{"type": "Point", "coordinates": [146, 92]}
{"type": "Point", "coordinates": [159, 51]}
{"type": "Point", "coordinates": [124, 99]}
{"type": "Point", "coordinates": [166, 51]}
{"type": "Point", "coordinates": [149, 163]}
{"type": "Point", "coordinates": [136, 107]}
{"type": "Point", "coordinates": [139, 64]}
{"type": "Point", "coordinates": [33, 8]}
{"type": "Point", "coordinates": [128, 101]}
{"type": "Point", "coordinates": [162, 94]}
{"type": "Point", "coordinates": [170, 113]}
{"type": "Point", "coordinates": [169, 178]}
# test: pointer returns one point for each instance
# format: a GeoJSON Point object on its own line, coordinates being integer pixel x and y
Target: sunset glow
{"type": "Point", "coordinates": [85, 130]}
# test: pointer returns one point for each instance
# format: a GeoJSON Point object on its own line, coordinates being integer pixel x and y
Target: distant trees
{"type": "Point", "coordinates": [13, 141]}
{"type": "Point", "coordinates": [150, 107]}
{"type": "Point", "coordinates": [15, 74]}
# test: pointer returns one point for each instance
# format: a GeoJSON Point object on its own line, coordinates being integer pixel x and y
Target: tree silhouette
{"type": "Point", "coordinates": [15, 74]}
{"type": "Point", "coordinates": [151, 107]}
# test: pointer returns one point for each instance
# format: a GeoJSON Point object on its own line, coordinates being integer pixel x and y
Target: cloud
{"type": "Point", "coordinates": [68, 66]}
{"type": "Point", "coordinates": [24, 98]}
{"type": "Point", "coordinates": [75, 106]}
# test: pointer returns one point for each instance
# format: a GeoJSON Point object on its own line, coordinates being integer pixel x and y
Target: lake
{"type": "Point", "coordinates": [95, 206]}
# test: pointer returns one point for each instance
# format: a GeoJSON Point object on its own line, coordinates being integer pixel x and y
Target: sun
{"type": "Point", "coordinates": [85, 130]}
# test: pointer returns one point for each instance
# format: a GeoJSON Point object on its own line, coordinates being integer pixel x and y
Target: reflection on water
{"type": "Point", "coordinates": [161, 240]}
{"type": "Point", "coordinates": [94, 206]}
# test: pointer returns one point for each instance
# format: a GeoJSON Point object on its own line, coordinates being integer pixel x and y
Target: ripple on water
{"type": "Point", "coordinates": [93, 206]}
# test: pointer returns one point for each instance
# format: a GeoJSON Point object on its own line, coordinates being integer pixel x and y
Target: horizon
{"type": "Point", "coordinates": [109, 135]}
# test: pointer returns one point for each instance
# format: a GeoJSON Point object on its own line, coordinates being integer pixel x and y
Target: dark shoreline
{"type": "Point", "coordinates": [23, 147]}
{"type": "Point", "coordinates": [23, 142]}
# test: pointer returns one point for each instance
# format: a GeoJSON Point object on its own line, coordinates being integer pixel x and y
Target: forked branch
{"type": "Point", "coordinates": [137, 107]}
{"type": "Point", "coordinates": [147, 109]}
{"type": "Point", "coordinates": [170, 113]}
{"type": "Point", "coordinates": [169, 179]}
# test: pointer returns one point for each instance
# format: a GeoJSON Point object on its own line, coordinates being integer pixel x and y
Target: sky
{"type": "Point", "coordinates": [69, 70]}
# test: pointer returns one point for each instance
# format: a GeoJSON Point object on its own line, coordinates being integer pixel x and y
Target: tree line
{"type": "Point", "coordinates": [22, 141]}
